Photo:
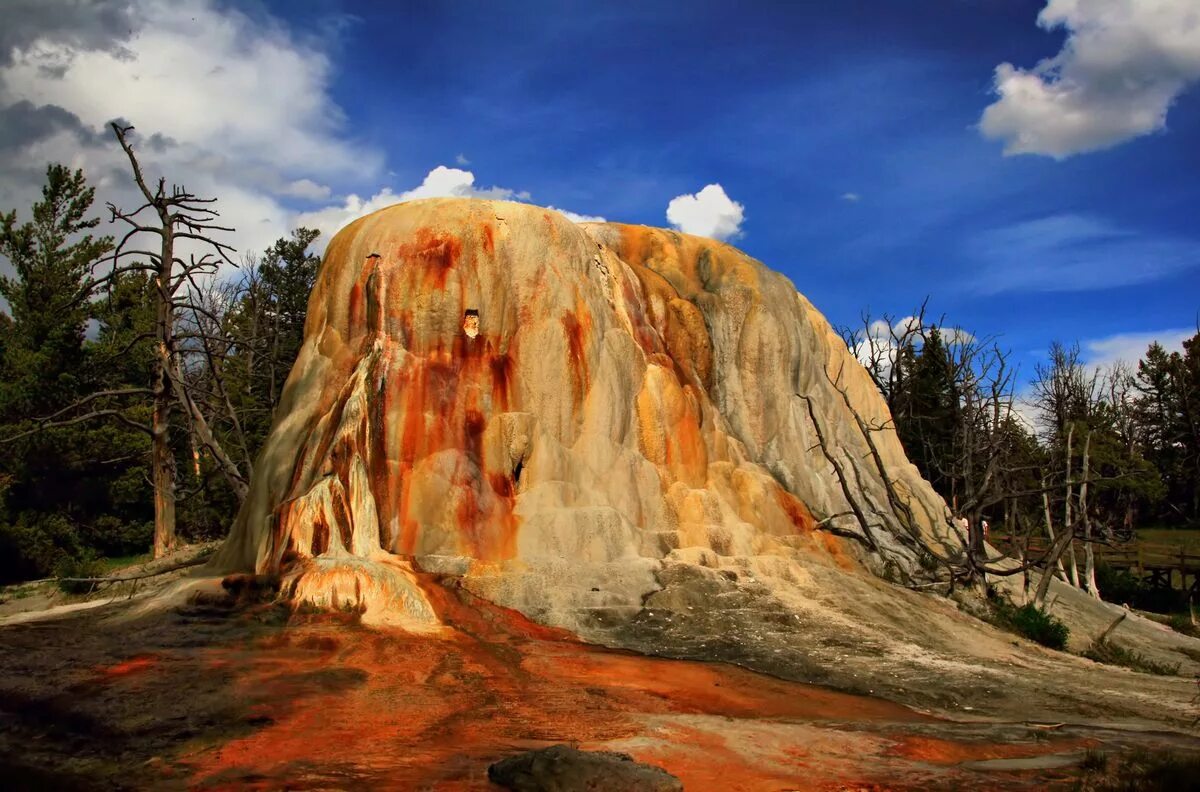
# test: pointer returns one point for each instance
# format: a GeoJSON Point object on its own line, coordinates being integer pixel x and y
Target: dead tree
{"type": "Point", "coordinates": [879, 343]}
{"type": "Point", "coordinates": [987, 465]}
{"type": "Point", "coordinates": [205, 347]}
{"type": "Point", "coordinates": [176, 218]}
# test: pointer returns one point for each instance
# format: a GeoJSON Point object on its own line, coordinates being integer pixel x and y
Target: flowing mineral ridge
{"type": "Point", "coordinates": [646, 438]}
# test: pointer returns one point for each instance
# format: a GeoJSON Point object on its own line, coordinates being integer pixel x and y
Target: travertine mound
{"type": "Point", "coordinates": [557, 412]}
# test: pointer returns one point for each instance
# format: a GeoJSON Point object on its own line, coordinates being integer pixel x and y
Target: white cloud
{"type": "Point", "coordinates": [307, 189]}
{"type": "Point", "coordinates": [709, 213]}
{"type": "Point", "coordinates": [1122, 66]}
{"type": "Point", "coordinates": [204, 76]}
{"type": "Point", "coordinates": [851, 197]}
{"type": "Point", "coordinates": [577, 218]}
{"type": "Point", "coordinates": [1131, 347]}
{"type": "Point", "coordinates": [461, 159]}
{"type": "Point", "coordinates": [877, 346]}
{"type": "Point", "coordinates": [233, 107]}
{"type": "Point", "coordinates": [330, 219]}
{"type": "Point", "coordinates": [956, 336]}
{"type": "Point", "coordinates": [441, 182]}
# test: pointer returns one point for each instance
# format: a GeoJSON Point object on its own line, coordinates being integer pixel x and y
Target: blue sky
{"type": "Point", "coordinates": [614, 112]}
{"type": "Point", "coordinates": [849, 133]}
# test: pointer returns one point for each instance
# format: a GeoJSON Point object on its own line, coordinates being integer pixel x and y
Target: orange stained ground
{"type": "Point", "coordinates": [133, 665]}
{"type": "Point", "coordinates": [394, 711]}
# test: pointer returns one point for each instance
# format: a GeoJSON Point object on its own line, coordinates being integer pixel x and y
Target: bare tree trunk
{"type": "Point", "coordinates": [181, 216]}
{"type": "Point", "coordinates": [1056, 551]}
{"type": "Point", "coordinates": [200, 425]}
{"type": "Point", "coordinates": [1062, 573]}
{"type": "Point", "coordinates": [274, 357]}
{"type": "Point", "coordinates": [1089, 555]}
{"type": "Point", "coordinates": [1073, 566]}
{"type": "Point", "coordinates": [163, 458]}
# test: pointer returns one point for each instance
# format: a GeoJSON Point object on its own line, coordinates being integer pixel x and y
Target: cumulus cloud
{"type": "Point", "coordinates": [99, 25]}
{"type": "Point", "coordinates": [234, 107]}
{"type": "Point", "coordinates": [441, 182]}
{"type": "Point", "coordinates": [1123, 64]}
{"type": "Point", "coordinates": [330, 219]}
{"type": "Point", "coordinates": [574, 217]}
{"type": "Point", "coordinates": [709, 213]}
{"type": "Point", "coordinates": [306, 189]}
{"type": "Point", "coordinates": [1129, 348]}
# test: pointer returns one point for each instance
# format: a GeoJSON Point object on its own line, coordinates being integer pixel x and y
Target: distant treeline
{"type": "Point", "coordinates": [1097, 452]}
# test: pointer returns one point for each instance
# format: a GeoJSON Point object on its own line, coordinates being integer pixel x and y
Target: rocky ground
{"type": "Point", "coordinates": [217, 692]}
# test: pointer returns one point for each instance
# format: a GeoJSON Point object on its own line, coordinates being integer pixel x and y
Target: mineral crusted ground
{"type": "Point", "coordinates": [213, 696]}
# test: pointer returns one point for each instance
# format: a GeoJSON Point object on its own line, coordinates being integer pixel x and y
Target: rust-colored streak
{"type": "Point", "coordinates": [796, 511]}
{"type": "Point", "coordinates": [341, 518]}
{"type": "Point", "coordinates": [134, 665]}
{"type": "Point", "coordinates": [501, 484]}
{"type": "Point", "coordinates": [320, 540]}
{"type": "Point", "coordinates": [502, 371]}
{"type": "Point", "coordinates": [436, 253]}
{"type": "Point", "coordinates": [949, 752]}
{"type": "Point", "coordinates": [379, 467]}
{"type": "Point", "coordinates": [489, 239]}
{"type": "Point", "coordinates": [575, 331]}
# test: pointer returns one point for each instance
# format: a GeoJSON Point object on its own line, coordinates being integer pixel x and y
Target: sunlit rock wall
{"type": "Point", "coordinates": [555, 411]}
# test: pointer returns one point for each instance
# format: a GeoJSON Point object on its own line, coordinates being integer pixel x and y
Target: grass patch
{"type": "Point", "coordinates": [1029, 621]}
{"type": "Point", "coordinates": [1182, 623]}
{"type": "Point", "coordinates": [1139, 771]}
{"type": "Point", "coordinates": [1184, 537]}
{"type": "Point", "coordinates": [121, 562]}
{"type": "Point", "coordinates": [1111, 654]}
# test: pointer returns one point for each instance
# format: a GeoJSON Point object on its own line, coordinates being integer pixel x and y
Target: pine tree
{"type": "Point", "coordinates": [931, 399]}
{"type": "Point", "coordinates": [51, 491]}
{"type": "Point", "coordinates": [1167, 416]}
{"type": "Point", "coordinates": [288, 273]}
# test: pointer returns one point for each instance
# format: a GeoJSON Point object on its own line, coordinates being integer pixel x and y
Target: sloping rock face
{"type": "Point", "coordinates": [560, 412]}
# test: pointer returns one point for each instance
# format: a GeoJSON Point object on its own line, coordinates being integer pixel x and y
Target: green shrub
{"type": "Point", "coordinates": [1029, 621]}
{"type": "Point", "coordinates": [34, 544]}
{"type": "Point", "coordinates": [1182, 623]}
{"type": "Point", "coordinates": [1107, 652]}
{"type": "Point", "coordinates": [85, 567]}
{"type": "Point", "coordinates": [1118, 585]}
{"type": "Point", "coordinates": [1038, 625]}
{"type": "Point", "coordinates": [1140, 770]}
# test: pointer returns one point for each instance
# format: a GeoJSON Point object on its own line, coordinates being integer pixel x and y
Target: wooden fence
{"type": "Point", "coordinates": [1156, 562]}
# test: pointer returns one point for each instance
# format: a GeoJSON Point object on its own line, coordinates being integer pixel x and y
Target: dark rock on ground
{"type": "Point", "coordinates": [561, 768]}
